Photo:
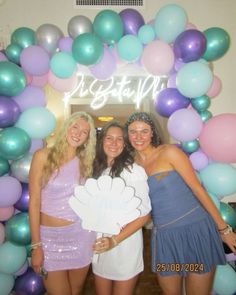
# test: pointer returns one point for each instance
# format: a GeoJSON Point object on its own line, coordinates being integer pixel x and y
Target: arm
{"type": "Point", "coordinates": [180, 162]}
{"type": "Point", "coordinates": [35, 175]}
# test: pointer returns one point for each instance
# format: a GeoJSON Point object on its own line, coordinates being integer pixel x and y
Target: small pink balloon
{"type": "Point", "coordinates": [29, 78]}
{"type": "Point", "coordinates": [62, 85]}
{"type": "Point", "coordinates": [2, 233]}
{"type": "Point", "coordinates": [6, 213]}
{"type": "Point", "coordinates": [39, 81]}
{"type": "Point", "coordinates": [215, 88]}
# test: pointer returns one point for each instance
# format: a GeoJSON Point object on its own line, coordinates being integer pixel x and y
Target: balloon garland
{"type": "Point", "coordinates": [167, 45]}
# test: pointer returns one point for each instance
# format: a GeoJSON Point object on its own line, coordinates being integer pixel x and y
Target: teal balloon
{"type": "Point", "coordinates": [146, 34]}
{"type": "Point", "coordinates": [37, 122]}
{"type": "Point", "coordinates": [170, 21]}
{"type": "Point", "coordinates": [224, 280]}
{"type": "Point", "coordinates": [24, 37]}
{"type": "Point", "coordinates": [12, 79]}
{"type": "Point", "coordinates": [201, 103]}
{"type": "Point", "coordinates": [228, 214]}
{"type": "Point", "coordinates": [4, 166]}
{"type": "Point", "coordinates": [17, 229]}
{"type": "Point", "coordinates": [194, 79]}
{"type": "Point", "coordinates": [63, 65]}
{"type": "Point", "coordinates": [190, 146]}
{"type": "Point", "coordinates": [14, 143]}
{"type": "Point", "coordinates": [219, 179]}
{"type": "Point", "coordinates": [108, 26]}
{"type": "Point", "coordinates": [205, 115]}
{"type": "Point", "coordinates": [218, 42]}
{"type": "Point", "coordinates": [12, 257]}
{"type": "Point", "coordinates": [129, 48]}
{"type": "Point", "coordinates": [13, 52]}
{"type": "Point", "coordinates": [6, 282]}
{"type": "Point", "coordinates": [87, 49]}
{"type": "Point", "coordinates": [28, 250]}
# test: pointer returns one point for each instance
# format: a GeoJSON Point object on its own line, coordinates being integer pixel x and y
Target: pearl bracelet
{"type": "Point", "coordinates": [36, 245]}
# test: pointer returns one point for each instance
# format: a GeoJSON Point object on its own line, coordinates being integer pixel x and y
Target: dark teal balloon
{"type": "Point", "coordinates": [12, 79]}
{"type": "Point", "coordinates": [13, 52]}
{"type": "Point", "coordinates": [24, 37]}
{"type": "Point", "coordinates": [218, 42]}
{"type": "Point", "coordinates": [17, 229]}
{"type": "Point", "coordinates": [14, 143]}
{"type": "Point", "coordinates": [201, 103]}
{"type": "Point", "coordinates": [4, 166]}
{"type": "Point", "coordinates": [228, 214]}
{"type": "Point", "coordinates": [87, 49]}
{"type": "Point", "coordinates": [190, 146]}
{"type": "Point", "coordinates": [205, 115]}
{"type": "Point", "coordinates": [108, 26]}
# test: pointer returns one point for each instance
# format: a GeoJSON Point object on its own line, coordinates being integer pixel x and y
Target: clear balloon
{"type": "Point", "coordinates": [13, 52]}
{"type": "Point", "coordinates": [132, 21]}
{"type": "Point", "coordinates": [228, 214]}
{"type": "Point", "coordinates": [10, 191]}
{"type": "Point", "coordinates": [170, 100]}
{"type": "Point", "coordinates": [199, 160]}
{"type": "Point", "coordinates": [24, 37]}
{"type": "Point", "coordinates": [23, 203]}
{"type": "Point", "coordinates": [79, 24]}
{"type": "Point", "coordinates": [4, 166]}
{"type": "Point", "coordinates": [129, 48]}
{"type": "Point", "coordinates": [170, 21]}
{"type": "Point", "coordinates": [20, 168]}
{"type": "Point", "coordinates": [218, 138]}
{"type": "Point", "coordinates": [9, 112]}
{"type": "Point", "coordinates": [12, 79]}
{"type": "Point", "coordinates": [200, 103]}
{"type": "Point", "coordinates": [6, 283]}
{"type": "Point", "coordinates": [108, 26]}
{"type": "Point", "coordinates": [63, 65]}
{"type": "Point", "coordinates": [224, 280]}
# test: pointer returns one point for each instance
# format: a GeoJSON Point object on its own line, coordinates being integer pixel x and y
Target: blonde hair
{"type": "Point", "coordinates": [57, 153]}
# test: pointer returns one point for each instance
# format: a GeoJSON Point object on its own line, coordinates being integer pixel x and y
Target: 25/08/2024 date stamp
{"type": "Point", "coordinates": [177, 267]}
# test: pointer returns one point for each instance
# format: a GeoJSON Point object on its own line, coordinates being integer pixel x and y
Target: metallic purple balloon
{"type": "Point", "coordinates": [190, 45]}
{"type": "Point", "coordinates": [132, 21]}
{"type": "Point", "coordinates": [23, 203]}
{"type": "Point", "coordinates": [9, 112]}
{"type": "Point", "coordinates": [29, 284]}
{"type": "Point", "coordinates": [170, 100]}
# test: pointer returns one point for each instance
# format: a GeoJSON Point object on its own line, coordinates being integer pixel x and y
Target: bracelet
{"type": "Point", "coordinates": [223, 228]}
{"type": "Point", "coordinates": [114, 241]}
{"type": "Point", "coordinates": [226, 230]}
{"type": "Point", "coordinates": [36, 245]}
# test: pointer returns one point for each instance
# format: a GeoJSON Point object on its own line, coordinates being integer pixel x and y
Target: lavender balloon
{"type": "Point", "coordinates": [170, 100]}
{"type": "Point", "coordinates": [190, 45]}
{"type": "Point", "coordinates": [29, 284]}
{"type": "Point", "coordinates": [132, 21]}
{"type": "Point", "coordinates": [23, 203]}
{"type": "Point", "coordinates": [9, 112]}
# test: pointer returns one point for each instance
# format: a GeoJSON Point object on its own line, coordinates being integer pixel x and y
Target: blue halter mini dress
{"type": "Point", "coordinates": [184, 236]}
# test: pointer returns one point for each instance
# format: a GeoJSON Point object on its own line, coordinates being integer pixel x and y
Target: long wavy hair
{"type": "Point", "coordinates": [58, 152]}
{"type": "Point", "coordinates": [123, 161]}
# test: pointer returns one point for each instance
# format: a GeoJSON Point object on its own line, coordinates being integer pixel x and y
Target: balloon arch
{"type": "Point", "coordinates": [167, 45]}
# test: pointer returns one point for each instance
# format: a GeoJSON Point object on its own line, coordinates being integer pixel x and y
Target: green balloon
{"type": "Point", "coordinates": [87, 49]}
{"type": "Point", "coordinates": [201, 103]}
{"type": "Point", "coordinates": [14, 143]}
{"type": "Point", "coordinates": [4, 166]}
{"type": "Point", "coordinates": [108, 26]}
{"type": "Point", "coordinates": [190, 146]}
{"type": "Point", "coordinates": [24, 37]}
{"type": "Point", "coordinates": [12, 79]}
{"type": "Point", "coordinates": [218, 41]}
{"type": "Point", "coordinates": [228, 214]}
{"type": "Point", "coordinates": [17, 229]}
{"type": "Point", "coordinates": [205, 115]}
{"type": "Point", "coordinates": [13, 52]}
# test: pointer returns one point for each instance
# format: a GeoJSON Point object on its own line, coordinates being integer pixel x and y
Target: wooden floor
{"type": "Point", "coordinates": [147, 282]}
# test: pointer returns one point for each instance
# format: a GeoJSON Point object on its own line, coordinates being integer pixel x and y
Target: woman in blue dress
{"type": "Point", "coordinates": [188, 229]}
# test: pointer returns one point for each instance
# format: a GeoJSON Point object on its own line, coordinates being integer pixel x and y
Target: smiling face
{"type": "Point", "coordinates": [78, 133]}
{"type": "Point", "coordinates": [140, 135]}
{"type": "Point", "coordinates": [113, 143]}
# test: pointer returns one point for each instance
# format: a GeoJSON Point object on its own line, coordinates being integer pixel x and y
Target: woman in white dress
{"type": "Point", "coordinates": [120, 256]}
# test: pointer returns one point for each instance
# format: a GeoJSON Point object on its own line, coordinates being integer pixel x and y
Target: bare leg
{"type": "Point", "coordinates": [171, 285]}
{"type": "Point", "coordinates": [77, 278]}
{"type": "Point", "coordinates": [103, 286]}
{"type": "Point", "coordinates": [57, 283]}
{"type": "Point", "coordinates": [199, 283]}
{"type": "Point", "coordinates": [124, 287]}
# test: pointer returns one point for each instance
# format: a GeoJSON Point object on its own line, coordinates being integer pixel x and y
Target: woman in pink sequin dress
{"type": "Point", "coordinates": [61, 248]}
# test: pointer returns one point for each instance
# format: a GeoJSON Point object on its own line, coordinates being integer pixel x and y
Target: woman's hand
{"type": "Point", "coordinates": [37, 258]}
{"type": "Point", "coordinates": [230, 240]}
{"type": "Point", "coordinates": [104, 244]}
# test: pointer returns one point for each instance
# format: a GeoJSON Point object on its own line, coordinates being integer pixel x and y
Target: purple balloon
{"type": "Point", "coordinates": [65, 44]}
{"type": "Point", "coordinates": [190, 45]}
{"type": "Point", "coordinates": [171, 83]}
{"type": "Point", "coordinates": [23, 203]}
{"type": "Point", "coordinates": [31, 96]}
{"type": "Point", "coordinates": [9, 112]}
{"type": "Point", "coordinates": [132, 21]}
{"type": "Point", "coordinates": [199, 160]}
{"type": "Point", "coordinates": [29, 284]}
{"type": "Point", "coordinates": [36, 144]}
{"type": "Point", "coordinates": [170, 100]}
{"type": "Point", "coordinates": [10, 191]}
